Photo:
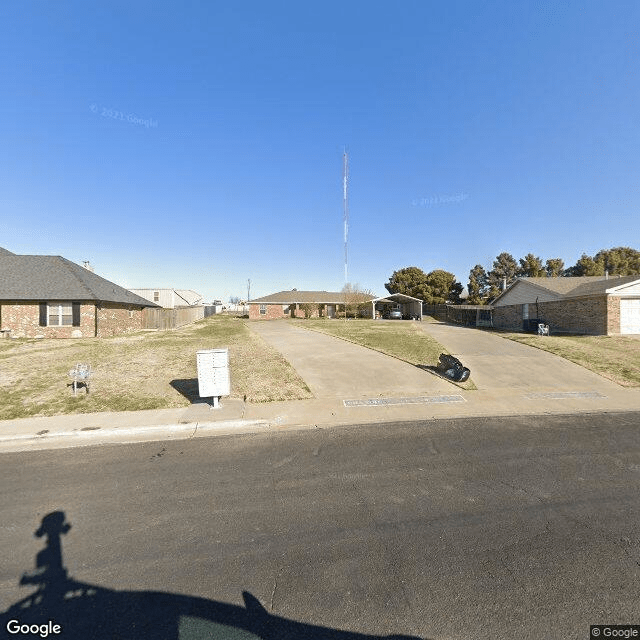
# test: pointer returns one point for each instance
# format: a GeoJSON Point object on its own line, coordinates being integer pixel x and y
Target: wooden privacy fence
{"type": "Point", "coordinates": [467, 314]}
{"type": "Point", "coordinates": [163, 319]}
{"type": "Point", "coordinates": [437, 311]}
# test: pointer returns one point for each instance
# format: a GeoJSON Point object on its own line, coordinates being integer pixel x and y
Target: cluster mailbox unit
{"type": "Point", "coordinates": [213, 374]}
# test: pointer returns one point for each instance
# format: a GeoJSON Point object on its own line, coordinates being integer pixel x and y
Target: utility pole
{"type": "Point", "coordinates": [345, 176]}
{"type": "Point", "coordinates": [248, 290]}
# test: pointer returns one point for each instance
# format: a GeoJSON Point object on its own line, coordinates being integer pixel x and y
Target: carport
{"type": "Point", "coordinates": [408, 305]}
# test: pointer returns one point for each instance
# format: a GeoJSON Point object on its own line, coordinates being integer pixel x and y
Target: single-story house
{"type": "Point", "coordinates": [292, 304]}
{"type": "Point", "coordinates": [52, 297]}
{"type": "Point", "coordinates": [170, 298]}
{"type": "Point", "coordinates": [595, 305]}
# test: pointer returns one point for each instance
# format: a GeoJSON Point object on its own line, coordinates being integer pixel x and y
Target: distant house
{"type": "Point", "coordinates": [597, 305]}
{"type": "Point", "coordinates": [290, 304]}
{"type": "Point", "coordinates": [52, 297]}
{"type": "Point", "coordinates": [170, 298]}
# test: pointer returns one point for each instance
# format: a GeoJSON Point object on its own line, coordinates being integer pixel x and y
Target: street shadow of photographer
{"type": "Point", "coordinates": [81, 611]}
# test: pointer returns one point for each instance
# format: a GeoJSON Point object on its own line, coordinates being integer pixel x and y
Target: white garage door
{"type": "Point", "coordinates": [630, 316]}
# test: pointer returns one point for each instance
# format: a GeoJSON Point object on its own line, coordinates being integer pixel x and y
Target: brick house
{"type": "Point", "coordinates": [595, 305]}
{"type": "Point", "coordinates": [289, 304]}
{"type": "Point", "coordinates": [52, 297]}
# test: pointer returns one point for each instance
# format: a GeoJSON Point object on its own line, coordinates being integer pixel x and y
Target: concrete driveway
{"type": "Point", "coordinates": [498, 363]}
{"type": "Point", "coordinates": [334, 368]}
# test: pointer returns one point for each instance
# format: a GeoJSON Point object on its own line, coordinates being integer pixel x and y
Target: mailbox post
{"type": "Point", "coordinates": [213, 374]}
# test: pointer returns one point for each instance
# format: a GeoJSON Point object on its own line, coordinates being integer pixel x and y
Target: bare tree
{"type": "Point", "coordinates": [356, 299]}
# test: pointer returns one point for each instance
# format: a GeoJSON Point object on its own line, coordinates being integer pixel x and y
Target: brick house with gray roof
{"type": "Point", "coordinates": [52, 297]}
{"type": "Point", "coordinates": [596, 305]}
{"type": "Point", "coordinates": [290, 304]}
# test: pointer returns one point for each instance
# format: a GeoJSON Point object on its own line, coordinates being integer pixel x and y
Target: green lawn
{"type": "Point", "coordinates": [402, 339]}
{"type": "Point", "coordinates": [147, 370]}
{"type": "Point", "coordinates": [613, 357]}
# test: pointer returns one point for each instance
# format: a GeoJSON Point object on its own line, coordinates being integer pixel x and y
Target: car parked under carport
{"type": "Point", "coordinates": [400, 305]}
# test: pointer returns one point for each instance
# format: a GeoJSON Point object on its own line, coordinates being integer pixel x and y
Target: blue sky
{"type": "Point", "coordinates": [199, 144]}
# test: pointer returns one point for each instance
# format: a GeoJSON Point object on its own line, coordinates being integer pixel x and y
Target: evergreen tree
{"type": "Point", "coordinates": [504, 266]}
{"type": "Point", "coordinates": [411, 281]}
{"type": "Point", "coordinates": [619, 261]}
{"type": "Point", "coordinates": [478, 285]}
{"type": "Point", "coordinates": [531, 266]}
{"type": "Point", "coordinates": [443, 287]}
{"type": "Point", "coordinates": [586, 266]}
{"type": "Point", "coordinates": [554, 267]}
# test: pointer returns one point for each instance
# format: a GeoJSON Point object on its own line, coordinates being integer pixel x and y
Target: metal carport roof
{"type": "Point", "coordinates": [397, 297]}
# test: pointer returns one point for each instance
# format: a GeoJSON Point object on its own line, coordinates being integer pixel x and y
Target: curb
{"type": "Point", "coordinates": [187, 430]}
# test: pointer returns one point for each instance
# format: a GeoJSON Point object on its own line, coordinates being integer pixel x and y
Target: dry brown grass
{"type": "Point", "coordinates": [613, 357]}
{"type": "Point", "coordinates": [149, 370]}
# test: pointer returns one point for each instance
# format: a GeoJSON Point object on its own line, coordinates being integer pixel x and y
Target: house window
{"type": "Point", "coordinates": [525, 311]}
{"type": "Point", "coordinates": [156, 296]}
{"type": "Point", "coordinates": [263, 309]}
{"type": "Point", "coordinates": [131, 313]}
{"type": "Point", "coordinates": [60, 315]}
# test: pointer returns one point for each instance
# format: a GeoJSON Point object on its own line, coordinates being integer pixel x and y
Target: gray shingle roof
{"type": "Point", "coordinates": [571, 287]}
{"type": "Point", "coordinates": [581, 286]}
{"type": "Point", "coordinates": [6, 252]}
{"type": "Point", "coordinates": [313, 297]}
{"type": "Point", "coordinates": [56, 278]}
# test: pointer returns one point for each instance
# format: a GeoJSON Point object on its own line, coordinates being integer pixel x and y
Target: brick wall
{"type": "Point", "coordinates": [112, 319]}
{"type": "Point", "coordinates": [23, 318]}
{"type": "Point", "coordinates": [586, 315]}
{"type": "Point", "coordinates": [273, 312]}
{"type": "Point", "coordinates": [613, 315]}
{"type": "Point", "coordinates": [508, 317]}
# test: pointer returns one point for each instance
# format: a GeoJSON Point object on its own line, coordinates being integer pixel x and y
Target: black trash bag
{"type": "Point", "coordinates": [453, 368]}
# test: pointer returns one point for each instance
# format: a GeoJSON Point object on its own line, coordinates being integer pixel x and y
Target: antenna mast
{"type": "Point", "coordinates": [345, 175]}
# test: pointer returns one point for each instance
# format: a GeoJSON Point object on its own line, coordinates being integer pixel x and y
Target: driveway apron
{"type": "Point", "coordinates": [498, 363]}
{"type": "Point", "coordinates": [334, 368]}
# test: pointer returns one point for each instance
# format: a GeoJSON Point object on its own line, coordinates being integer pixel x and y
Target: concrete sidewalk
{"type": "Point", "coordinates": [236, 417]}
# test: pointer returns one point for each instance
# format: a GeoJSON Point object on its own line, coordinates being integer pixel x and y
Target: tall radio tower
{"type": "Point", "coordinates": [345, 175]}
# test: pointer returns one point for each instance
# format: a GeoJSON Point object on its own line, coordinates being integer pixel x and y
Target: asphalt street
{"type": "Point", "coordinates": [477, 528]}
